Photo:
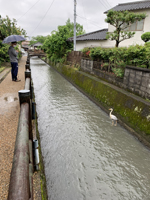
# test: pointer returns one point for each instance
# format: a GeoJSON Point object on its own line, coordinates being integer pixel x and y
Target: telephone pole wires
{"type": "Point", "coordinates": [75, 3]}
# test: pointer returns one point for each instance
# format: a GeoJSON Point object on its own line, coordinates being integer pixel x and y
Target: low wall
{"type": "Point", "coordinates": [133, 112]}
{"type": "Point", "coordinates": [136, 80]}
{"type": "Point", "coordinates": [75, 57]}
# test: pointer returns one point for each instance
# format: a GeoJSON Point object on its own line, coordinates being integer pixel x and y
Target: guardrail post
{"type": "Point", "coordinates": [28, 62]}
{"type": "Point", "coordinates": [27, 66]}
{"type": "Point", "coordinates": [24, 96]}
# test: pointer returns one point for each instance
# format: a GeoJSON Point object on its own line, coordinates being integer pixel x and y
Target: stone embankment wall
{"type": "Point", "coordinates": [136, 80]}
{"type": "Point", "coordinates": [133, 112]}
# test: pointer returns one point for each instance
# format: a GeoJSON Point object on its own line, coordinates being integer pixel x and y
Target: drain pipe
{"type": "Point", "coordinates": [36, 154]}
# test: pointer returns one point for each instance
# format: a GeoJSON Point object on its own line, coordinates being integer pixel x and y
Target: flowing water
{"type": "Point", "coordinates": [85, 157]}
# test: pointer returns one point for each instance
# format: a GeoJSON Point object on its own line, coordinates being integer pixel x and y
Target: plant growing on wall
{"type": "Point", "coordinates": [145, 37]}
{"type": "Point", "coordinates": [122, 20]}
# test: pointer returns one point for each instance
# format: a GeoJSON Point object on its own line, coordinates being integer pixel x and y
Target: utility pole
{"type": "Point", "coordinates": [75, 3]}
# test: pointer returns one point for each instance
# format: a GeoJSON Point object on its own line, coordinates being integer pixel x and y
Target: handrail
{"type": "Point", "coordinates": [21, 181]}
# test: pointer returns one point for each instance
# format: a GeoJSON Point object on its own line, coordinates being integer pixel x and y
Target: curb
{"type": "Point", "coordinates": [5, 72]}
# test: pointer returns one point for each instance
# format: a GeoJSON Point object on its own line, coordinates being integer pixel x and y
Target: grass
{"type": "Point", "coordinates": [1, 69]}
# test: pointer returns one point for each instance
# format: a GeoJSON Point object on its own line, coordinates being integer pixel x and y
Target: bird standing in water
{"type": "Point", "coordinates": [113, 117]}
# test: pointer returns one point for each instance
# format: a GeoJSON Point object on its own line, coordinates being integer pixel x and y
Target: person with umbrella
{"type": "Point", "coordinates": [14, 61]}
{"type": "Point", "coordinates": [13, 54]}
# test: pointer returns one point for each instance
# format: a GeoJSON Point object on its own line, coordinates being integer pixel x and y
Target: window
{"type": "Point", "coordinates": [140, 25]}
{"type": "Point", "coordinates": [136, 26]}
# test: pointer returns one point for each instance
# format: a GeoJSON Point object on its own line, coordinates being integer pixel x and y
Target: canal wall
{"type": "Point", "coordinates": [132, 111]}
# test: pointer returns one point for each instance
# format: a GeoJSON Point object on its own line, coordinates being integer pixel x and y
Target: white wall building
{"type": "Point", "coordinates": [98, 38]}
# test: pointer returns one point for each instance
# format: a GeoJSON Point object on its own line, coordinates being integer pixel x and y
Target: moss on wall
{"type": "Point", "coordinates": [130, 109]}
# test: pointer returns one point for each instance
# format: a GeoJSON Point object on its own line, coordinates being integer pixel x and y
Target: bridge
{"type": "Point", "coordinates": [35, 52]}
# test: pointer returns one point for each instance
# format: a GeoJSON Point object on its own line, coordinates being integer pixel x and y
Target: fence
{"type": "Point", "coordinates": [21, 180]}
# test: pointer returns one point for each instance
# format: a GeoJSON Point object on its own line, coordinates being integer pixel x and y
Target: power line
{"type": "Point", "coordinates": [28, 10]}
{"type": "Point", "coordinates": [102, 2]}
{"type": "Point", "coordinates": [43, 17]}
{"type": "Point", "coordinates": [89, 20]}
{"type": "Point", "coordinates": [84, 15]}
{"type": "Point", "coordinates": [108, 4]}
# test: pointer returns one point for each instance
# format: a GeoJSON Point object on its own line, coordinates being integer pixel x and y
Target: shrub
{"type": "Point", "coordinates": [145, 37]}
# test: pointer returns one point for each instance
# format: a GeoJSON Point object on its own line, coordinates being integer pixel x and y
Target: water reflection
{"type": "Point", "coordinates": [85, 157]}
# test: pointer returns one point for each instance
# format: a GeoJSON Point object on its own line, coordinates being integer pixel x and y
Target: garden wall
{"type": "Point", "coordinates": [136, 80]}
{"type": "Point", "coordinates": [132, 111]}
{"type": "Point", "coordinates": [75, 57]}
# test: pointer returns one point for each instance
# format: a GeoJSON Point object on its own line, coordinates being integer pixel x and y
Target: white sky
{"type": "Point", "coordinates": [40, 17]}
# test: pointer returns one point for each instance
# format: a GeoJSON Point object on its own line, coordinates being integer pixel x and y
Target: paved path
{"type": "Point", "coordinates": [9, 115]}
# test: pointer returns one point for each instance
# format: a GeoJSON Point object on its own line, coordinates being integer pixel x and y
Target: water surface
{"type": "Point", "coordinates": [85, 157]}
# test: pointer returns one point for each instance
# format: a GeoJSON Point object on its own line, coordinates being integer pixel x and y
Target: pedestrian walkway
{"type": "Point", "coordinates": [9, 115]}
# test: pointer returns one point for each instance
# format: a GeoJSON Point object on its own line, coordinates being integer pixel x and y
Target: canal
{"type": "Point", "coordinates": [85, 157]}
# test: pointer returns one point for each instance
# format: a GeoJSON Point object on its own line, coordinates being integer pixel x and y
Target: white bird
{"type": "Point", "coordinates": [113, 117]}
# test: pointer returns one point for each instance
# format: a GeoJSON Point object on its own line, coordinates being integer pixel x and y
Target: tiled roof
{"type": "Point", "coordinates": [96, 35]}
{"type": "Point", "coordinates": [137, 5]}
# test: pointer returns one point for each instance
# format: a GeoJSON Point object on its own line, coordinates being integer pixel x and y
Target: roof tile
{"type": "Point", "coordinates": [97, 35]}
{"type": "Point", "coordinates": [138, 5]}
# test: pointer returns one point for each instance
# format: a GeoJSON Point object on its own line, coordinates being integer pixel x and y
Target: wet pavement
{"type": "Point", "coordinates": [9, 115]}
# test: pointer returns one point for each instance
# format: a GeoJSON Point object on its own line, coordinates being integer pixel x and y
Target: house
{"type": "Point", "coordinates": [25, 45]}
{"type": "Point", "coordinates": [98, 38]}
{"type": "Point", "coordinates": [36, 45]}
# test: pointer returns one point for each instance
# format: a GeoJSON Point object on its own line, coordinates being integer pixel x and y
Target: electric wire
{"type": "Point", "coordinates": [89, 20]}
{"type": "Point", "coordinates": [43, 17]}
{"type": "Point", "coordinates": [104, 4]}
{"type": "Point", "coordinates": [28, 10]}
{"type": "Point", "coordinates": [107, 3]}
{"type": "Point", "coordinates": [85, 15]}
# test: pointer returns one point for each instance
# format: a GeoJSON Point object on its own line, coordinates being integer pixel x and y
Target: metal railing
{"type": "Point", "coordinates": [21, 179]}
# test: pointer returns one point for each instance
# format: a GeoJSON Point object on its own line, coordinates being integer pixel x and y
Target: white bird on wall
{"type": "Point", "coordinates": [113, 117]}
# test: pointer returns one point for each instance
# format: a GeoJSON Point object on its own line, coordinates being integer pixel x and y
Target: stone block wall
{"type": "Point", "coordinates": [75, 57]}
{"type": "Point", "coordinates": [87, 65]}
{"type": "Point", "coordinates": [136, 80]}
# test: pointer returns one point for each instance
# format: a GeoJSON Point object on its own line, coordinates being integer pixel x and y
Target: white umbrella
{"type": "Point", "coordinates": [13, 38]}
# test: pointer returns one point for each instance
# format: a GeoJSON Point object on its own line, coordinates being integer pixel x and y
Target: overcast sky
{"type": "Point", "coordinates": [40, 17]}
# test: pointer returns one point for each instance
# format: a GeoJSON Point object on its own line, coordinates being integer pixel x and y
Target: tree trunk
{"type": "Point", "coordinates": [117, 43]}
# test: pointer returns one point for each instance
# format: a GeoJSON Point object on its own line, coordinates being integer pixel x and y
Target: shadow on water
{"type": "Point", "coordinates": [85, 157]}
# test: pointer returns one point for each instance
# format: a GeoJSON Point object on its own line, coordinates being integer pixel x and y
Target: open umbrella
{"type": "Point", "coordinates": [13, 38]}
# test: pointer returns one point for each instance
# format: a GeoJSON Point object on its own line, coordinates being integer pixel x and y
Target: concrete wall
{"type": "Point", "coordinates": [136, 80]}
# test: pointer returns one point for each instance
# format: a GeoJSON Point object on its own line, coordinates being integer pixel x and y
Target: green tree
{"type": "Point", "coordinates": [38, 38]}
{"type": "Point", "coordinates": [56, 45]}
{"type": "Point", "coordinates": [145, 37]}
{"type": "Point", "coordinates": [121, 20]}
{"type": "Point", "coordinates": [9, 27]}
